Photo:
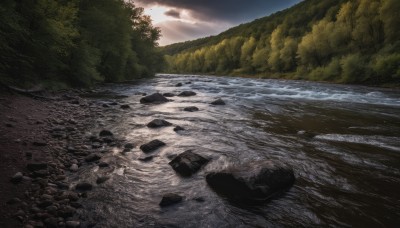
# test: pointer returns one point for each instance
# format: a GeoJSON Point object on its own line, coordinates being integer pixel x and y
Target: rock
{"type": "Point", "coordinates": [39, 143]}
{"type": "Point", "coordinates": [83, 186]}
{"type": "Point", "coordinates": [66, 212]}
{"type": "Point", "coordinates": [218, 102]}
{"type": "Point", "coordinates": [92, 157]}
{"type": "Point", "coordinates": [72, 224]}
{"type": "Point", "coordinates": [103, 164]}
{"type": "Point", "coordinates": [105, 105]}
{"type": "Point", "coordinates": [34, 166]}
{"type": "Point", "coordinates": [14, 200]}
{"type": "Point", "coordinates": [51, 222]}
{"type": "Point", "coordinates": [187, 94]}
{"type": "Point", "coordinates": [41, 173]}
{"type": "Point", "coordinates": [102, 179]}
{"type": "Point", "coordinates": [306, 134]}
{"type": "Point", "coordinates": [169, 95]}
{"type": "Point", "coordinates": [156, 123]}
{"type": "Point", "coordinates": [152, 146]}
{"type": "Point", "coordinates": [125, 106]}
{"type": "Point", "coordinates": [146, 159]}
{"type": "Point", "coordinates": [170, 199]}
{"type": "Point", "coordinates": [129, 146]}
{"type": "Point", "coordinates": [187, 163]}
{"type": "Point", "coordinates": [252, 182]}
{"type": "Point", "coordinates": [178, 85]}
{"type": "Point", "coordinates": [74, 168]}
{"type": "Point", "coordinates": [45, 203]}
{"type": "Point", "coordinates": [96, 145]}
{"type": "Point", "coordinates": [199, 199]}
{"type": "Point", "coordinates": [105, 133]}
{"type": "Point", "coordinates": [191, 109]}
{"type": "Point", "coordinates": [9, 125]}
{"type": "Point", "coordinates": [154, 98]}
{"type": "Point", "coordinates": [17, 177]}
{"type": "Point", "coordinates": [179, 128]}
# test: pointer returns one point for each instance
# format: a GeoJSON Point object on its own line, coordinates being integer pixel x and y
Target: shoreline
{"type": "Point", "coordinates": [37, 156]}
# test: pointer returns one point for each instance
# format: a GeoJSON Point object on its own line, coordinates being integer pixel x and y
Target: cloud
{"type": "Point", "coordinates": [236, 11]}
{"type": "Point", "coordinates": [173, 13]}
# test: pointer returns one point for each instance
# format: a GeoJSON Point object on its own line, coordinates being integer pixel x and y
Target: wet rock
{"type": "Point", "coordinates": [218, 102]}
{"type": "Point", "coordinates": [188, 82]}
{"type": "Point", "coordinates": [92, 157]}
{"type": "Point", "coordinates": [125, 106]}
{"type": "Point", "coordinates": [152, 146]}
{"type": "Point", "coordinates": [13, 201]}
{"type": "Point", "coordinates": [96, 145]}
{"type": "Point", "coordinates": [103, 164]}
{"type": "Point", "coordinates": [102, 179]}
{"type": "Point", "coordinates": [252, 182]}
{"type": "Point", "coordinates": [179, 128]}
{"type": "Point", "coordinates": [170, 199]}
{"type": "Point", "coordinates": [105, 105]}
{"type": "Point", "coordinates": [66, 211]}
{"type": "Point", "coordinates": [146, 159]}
{"type": "Point", "coordinates": [72, 224]}
{"type": "Point", "coordinates": [157, 123]}
{"type": "Point", "coordinates": [199, 199]}
{"type": "Point", "coordinates": [51, 222]}
{"type": "Point", "coordinates": [108, 139]}
{"type": "Point", "coordinates": [17, 177]}
{"type": "Point", "coordinates": [178, 84]}
{"type": "Point", "coordinates": [74, 168]}
{"type": "Point", "coordinates": [114, 103]}
{"type": "Point", "coordinates": [83, 186]}
{"type": "Point", "coordinates": [9, 125]}
{"type": "Point", "coordinates": [39, 143]}
{"type": "Point", "coordinates": [105, 133]}
{"type": "Point", "coordinates": [187, 163]}
{"type": "Point", "coordinates": [40, 173]}
{"type": "Point", "coordinates": [45, 203]}
{"type": "Point", "coordinates": [306, 134]}
{"type": "Point", "coordinates": [129, 146]}
{"type": "Point", "coordinates": [34, 166]}
{"type": "Point", "coordinates": [187, 94]}
{"type": "Point", "coordinates": [169, 95]}
{"type": "Point", "coordinates": [154, 98]}
{"type": "Point", "coordinates": [191, 109]}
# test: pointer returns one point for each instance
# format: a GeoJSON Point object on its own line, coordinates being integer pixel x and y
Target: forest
{"type": "Point", "coordinates": [64, 43]}
{"type": "Point", "coordinates": [341, 41]}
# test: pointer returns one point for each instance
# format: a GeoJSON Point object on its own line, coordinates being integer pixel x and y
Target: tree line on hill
{"type": "Point", "coordinates": [345, 41]}
{"type": "Point", "coordinates": [62, 43]}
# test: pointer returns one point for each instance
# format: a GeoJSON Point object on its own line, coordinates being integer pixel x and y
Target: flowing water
{"type": "Point", "coordinates": [343, 143]}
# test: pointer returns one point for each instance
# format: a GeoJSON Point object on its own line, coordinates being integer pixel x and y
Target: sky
{"type": "Point", "coordinates": [181, 20]}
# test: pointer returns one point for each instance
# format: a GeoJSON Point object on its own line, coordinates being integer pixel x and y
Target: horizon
{"type": "Point", "coordinates": [181, 21]}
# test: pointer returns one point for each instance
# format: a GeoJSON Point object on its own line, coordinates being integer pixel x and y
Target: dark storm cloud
{"type": "Point", "coordinates": [173, 13]}
{"type": "Point", "coordinates": [236, 11]}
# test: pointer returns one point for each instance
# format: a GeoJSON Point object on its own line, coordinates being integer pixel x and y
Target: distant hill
{"type": "Point", "coordinates": [345, 41]}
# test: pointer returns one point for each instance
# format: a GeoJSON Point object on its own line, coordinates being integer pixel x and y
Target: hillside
{"type": "Point", "coordinates": [334, 40]}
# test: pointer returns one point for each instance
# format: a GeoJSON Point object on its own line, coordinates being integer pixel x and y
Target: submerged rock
{"type": "Point", "coordinates": [152, 146]}
{"type": "Point", "coordinates": [252, 182]}
{"type": "Point", "coordinates": [84, 186]}
{"type": "Point", "coordinates": [157, 123]}
{"type": "Point", "coordinates": [187, 94]}
{"type": "Point", "coordinates": [34, 166]}
{"type": "Point", "coordinates": [178, 84]}
{"type": "Point", "coordinates": [154, 98]}
{"type": "Point", "coordinates": [170, 199]}
{"type": "Point", "coordinates": [105, 133]}
{"type": "Point", "coordinates": [92, 157]}
{"type": "Point", "coordinates": [187, 163]}
{"type": "Point", "coordinates": [169, 95]}
{"type": "Point", "coordinates": [191, 109]}
{"type": "Point", "coordinates": [179, 128]}
{"type": "Point", "coordinates": [218, 102]}
{"type": "Point", "coordinates": [125, 106]}
{"type": "Point", "coordinates": [102, 179]}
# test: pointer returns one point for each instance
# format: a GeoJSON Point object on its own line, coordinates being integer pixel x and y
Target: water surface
{"type": "Point", "coordinates": [343, 143]}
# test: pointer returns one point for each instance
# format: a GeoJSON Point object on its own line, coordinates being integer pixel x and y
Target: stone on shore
{"type": "Point", "coordinates": [34, 166]}
{"type": "Point", "coordinates": [17, 177]}
{"type": "Point", "coordinates": [179, 128]}
{"type": "Point", "coordinates": [188, 163]}
{"type": "Point", "coordinates": [154, 98]}
{"type": "Point", "coordinates": [152, 146]}
{"type": "Point", "coordinates": [92, 157]}
{"type": "Point", "coordinates": [83, 186]}
{"type": "Point", "coordinates": [252, 182]}
{"type": "Point", "coordinates": [105, 133]}
{"type": "Point", "coordinates": [170, 199]}
{"type": "Point", "coordinates": [169, 95]}
{"type": "Point", "coordinates": [157, 123]}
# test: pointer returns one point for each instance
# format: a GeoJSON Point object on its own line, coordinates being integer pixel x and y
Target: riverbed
{"type": "Point", "coordinates": [343, 143]}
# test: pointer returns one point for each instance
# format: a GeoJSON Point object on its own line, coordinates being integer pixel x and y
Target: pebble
{"type": "Point", "coordinates": [17, 177]}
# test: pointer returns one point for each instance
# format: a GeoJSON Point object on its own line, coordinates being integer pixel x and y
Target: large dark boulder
{"type": "Point", "coordinates": [187, 94]}
{"type": "Point", "coordinates": [170, 199]}
{"type": "Point", "coordinates": [152, 146]}
{"type": "Point", "coordinates": [252, 182]}
{"type": "Point", "coordinates": [154, 98]}
{"type": "Point", "coordinates": [187, 163]}
{"type": "Point", "coordinates": [157, 123]}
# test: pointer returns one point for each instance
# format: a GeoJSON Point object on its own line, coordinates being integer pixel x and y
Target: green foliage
{"type": "Point", "coordinates": [348, 41]}
{"type": "Point", "coordinates": [76, 42]}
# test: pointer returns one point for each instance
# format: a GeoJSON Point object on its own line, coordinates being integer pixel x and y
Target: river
{"type": "Point", "coordinates": [342, 141]}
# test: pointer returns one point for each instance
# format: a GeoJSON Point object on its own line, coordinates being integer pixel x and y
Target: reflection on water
{"type": "Point", "coordinates": [347, 159]}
